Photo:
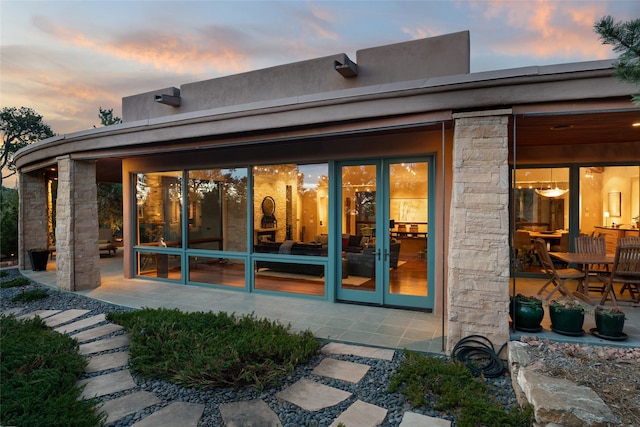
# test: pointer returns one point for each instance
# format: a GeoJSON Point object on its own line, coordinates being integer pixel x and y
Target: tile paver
{"type": "Point", "coordinates": [341, 370]}
{"type": "Point", "coordinates": [106, 361]}
{"type": "Point", "coordinates": [81, 324]}
{"type": "Point", "coordinates": [64, 317]}
{"type": "Point", "coordinates": [104, 344]}
{"type": "Point", "coordinates": [43, 314]}
{"type": "Point", "coordinates": [181, 414]}
{"type": "Point", "coordinates": [129, 404]}
{"type": "Point", "coordinates": [248, 413]}
{"type": "Point", "coordinates": [361, 414]}
{"type": "Point", "coordinates": [97, 332]}
{"type": "Point", "coordinates": [358, 350]}
{"type": "Point", "coordinates": [312, 396]}
{"type": "Point", "coordinates": [13, 311]}
{"type": "Point", "coordinates": [411, 419]}
{"type": "Point", "coordinates": [107, 384]}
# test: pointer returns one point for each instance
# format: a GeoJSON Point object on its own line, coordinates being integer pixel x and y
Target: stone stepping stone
{"type": "Point", "coordinates": [312, 396]}
{"type": "Point", "coordinates": [106, 384]}
{"type": "Point", "coordinates": [13, 311]}
{"type": "Point", "coordinates": [129, 404]}
{"type": "Point", "coordinates": [181, 414]}
{"type": "Point", "coordinates": [96, 332]}
{"type": "Point", "coordinates": [64, 317]}
{"type": "Point", "coordinates": [248, 413]}
{"type": "Point", "coordinates": [40, 313]}
{"type": "Point", "coordinates": [104, 344]}
{"type": "Point", "coordinates": [341, 370]}
{"type": "Point", "coordinates": [358, 350]}
{"type": "Point", "coordinates": [107, 361]}
{"type": "Point", "coordinates": [361, 414]}
{"type": "Point", "coordinates": [411, 419]}
{"type": "Point", "coordinates": [81, 324]}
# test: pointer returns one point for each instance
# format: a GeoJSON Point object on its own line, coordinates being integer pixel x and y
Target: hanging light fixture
{"type": "Point", "coordinates": [551, 192]}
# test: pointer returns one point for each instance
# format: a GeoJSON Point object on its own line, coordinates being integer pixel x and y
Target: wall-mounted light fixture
{"type": "Point", "coordinates": [173, 99]}
{"type": "Point", "coordinates": [347, 68]}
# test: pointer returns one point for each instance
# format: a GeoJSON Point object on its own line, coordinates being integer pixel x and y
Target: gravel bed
{"type": "Point", "coordinates": [372, 388]}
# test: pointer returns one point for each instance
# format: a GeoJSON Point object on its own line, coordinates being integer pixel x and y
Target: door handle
{"type": "Point", "coordinates": [378, 253]}
{"type": "Point", "coordinates": [386, 254]}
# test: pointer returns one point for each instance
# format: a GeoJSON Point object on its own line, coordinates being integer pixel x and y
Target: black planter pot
{"type": "Point", "coordinates": [566, 321]}
{"type": "Point", "coordinates": [609, 325]}
{"type": "Point", "coordinates": [527, 314]}
{"type": "Point", "coordinates": [39, 259]}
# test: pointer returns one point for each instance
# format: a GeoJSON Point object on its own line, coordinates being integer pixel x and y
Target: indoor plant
{"type": "Point", "coordinates": [609, 322]}
{"type": "Point", "coordinates": [526, 312]}
{"type": "Point", "coordinates": [39, 258]}
{"type": "Point", "coordinates": [567, 317]}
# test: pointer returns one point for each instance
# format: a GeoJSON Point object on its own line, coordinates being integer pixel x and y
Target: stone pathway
{"type": "Point", "coordinates": [94, 336]}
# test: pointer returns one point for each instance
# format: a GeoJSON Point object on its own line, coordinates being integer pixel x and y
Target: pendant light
{"type": "Point", "coordinates": [551, 192]}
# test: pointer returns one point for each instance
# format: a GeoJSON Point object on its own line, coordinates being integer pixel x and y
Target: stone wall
{"type": "Point", "coordinates": [478, 278]}
{"type": "Point", "coordinates": [33, 224]}
{"type": "Point", "coordinates": [77, 254]}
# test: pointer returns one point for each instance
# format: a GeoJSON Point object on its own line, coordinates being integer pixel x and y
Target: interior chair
{"type": "Point", "coordinates": [626, 270]}
{"type": "Point", "coordinates": [563, 246]}
{"type": "Point", "coordinates": [627, 241]}
{"type": "Point", "coordinates": [558, 277]}
{"type": "Point", "coordinates": [523, 241]}
{"type": "Point", "coordinates": [106, 241]}
{"type": "Point", "coordinates": [593, 245]}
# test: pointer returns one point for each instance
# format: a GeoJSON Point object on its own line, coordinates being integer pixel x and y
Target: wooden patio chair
{"type": "Point", "coordinates": [558, 277]}
{"type": "Point", "coordinates": [626, 270]}
{"type": "Point", "coordinates": [627, 241]}
{"type": "Point", "coordinates": [593, 245]}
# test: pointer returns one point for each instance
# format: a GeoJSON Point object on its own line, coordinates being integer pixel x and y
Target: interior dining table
{"type": "Point", "coordinates": [584, 263]}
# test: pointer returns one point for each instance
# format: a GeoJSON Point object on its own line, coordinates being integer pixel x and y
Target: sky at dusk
{"type": "Point", "coordinates": [66, 59]}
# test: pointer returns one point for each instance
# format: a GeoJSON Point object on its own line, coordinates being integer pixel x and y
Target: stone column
{"type": "Point", "coordinates": [478, 275]}
{"type": "Point", "coordinates": [32, 218]}
{"type": "Point", "coordinates": [77, 254]}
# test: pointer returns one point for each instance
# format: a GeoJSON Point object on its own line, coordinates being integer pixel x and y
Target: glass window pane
{"type": "Point", "coordinates": [541, 212]}
{"type": "Point", "coordinates": [159, 209]}
{"type": "Point", "coordinates": [217, 271]}
{"type": "Point", "coordinates": [167, 266]}
{"type": "Point", "coordinates": [291, 205]}
{"type": "Point", "coordinates": [217, 210]}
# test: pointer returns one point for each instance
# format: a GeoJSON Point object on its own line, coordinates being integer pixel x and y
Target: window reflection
{"type": "Point", "coordinates": [159, 209]}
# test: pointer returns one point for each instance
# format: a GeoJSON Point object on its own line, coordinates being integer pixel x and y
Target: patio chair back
{"type": "Point", "coordinates": [628, 241]}
{"type": "Point", "coordinates": [626, 270]}
{"type": "Point", "coordinates": [590, 245]}
{"type": "Point", "coordinates": [557, 276]}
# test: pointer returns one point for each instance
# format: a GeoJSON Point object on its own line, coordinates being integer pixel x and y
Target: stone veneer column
{"type": "Point", "coordinates": [77, 254]}
{"type": "Point", "coordinates": [478, 275]}
{"type": "Point", "coordinates": [32, 218]}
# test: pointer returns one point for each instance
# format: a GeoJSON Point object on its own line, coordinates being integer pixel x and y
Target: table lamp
{"type": "Point", "coordinates": [606, 218]}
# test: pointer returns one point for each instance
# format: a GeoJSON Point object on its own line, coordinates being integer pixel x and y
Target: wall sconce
{"type": "Point", "coordinates": [347, 68]}
{"type": "Point", "coordinates": [172, 100]}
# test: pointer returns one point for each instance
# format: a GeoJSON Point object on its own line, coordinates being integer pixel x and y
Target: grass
{"type": "Point", "coordinates": [32, 295]}
{"type": "Point", "coordinates": [14, 283]}
{"type": "Point", "coordinates": [39, 370]}
{"type": "Point", "coordinates": [453, 388]}
{"type": "Point", "coordinates": [212, 349]}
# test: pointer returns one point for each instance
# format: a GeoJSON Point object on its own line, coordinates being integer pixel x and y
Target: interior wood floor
{"type": "Point", "coordinates": [409, 278]}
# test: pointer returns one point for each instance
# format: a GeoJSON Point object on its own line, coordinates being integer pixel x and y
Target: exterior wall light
{"type": "Point", "coordinates": [347, 68]}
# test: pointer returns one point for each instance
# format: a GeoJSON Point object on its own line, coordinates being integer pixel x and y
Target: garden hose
{"type": "Point", "coordinates": [479, 355]}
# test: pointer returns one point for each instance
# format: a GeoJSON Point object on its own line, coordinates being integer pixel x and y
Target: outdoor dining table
{"type": "Point", "coordinates": [584, 262]}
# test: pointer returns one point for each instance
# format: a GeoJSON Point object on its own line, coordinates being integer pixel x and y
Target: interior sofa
{"type": "Point", "coordinates": [291, 248]}
{"type": "Point", "coordinates": [363, 263]}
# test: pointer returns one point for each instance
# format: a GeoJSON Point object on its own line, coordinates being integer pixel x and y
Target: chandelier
{"type": "Point", "coordinates": [551, 192]}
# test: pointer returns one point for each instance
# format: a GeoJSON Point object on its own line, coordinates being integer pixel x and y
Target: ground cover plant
{"type": "Point", "coordinates": [450, 386]}
{"type": "Point", "coordinates": [39, 369]}
{"type": "Point", "coordinates": [212, 349]}
{"type": "Point", "coordinates": [32, 295]}
{"type": "Point", "coordinates": [14, 283]}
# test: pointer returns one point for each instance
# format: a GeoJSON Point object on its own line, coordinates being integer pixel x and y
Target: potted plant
{"type": "Point", "coordinates": [609, 323]}
{"type": "Point", "coordinates": [526, 313]}
{"type": "Point", "coordinates": [567, 317]}
{"type": "Point", "coordinates": [39, 258]}
{"type": "Point", "coordinates": [525, 259]}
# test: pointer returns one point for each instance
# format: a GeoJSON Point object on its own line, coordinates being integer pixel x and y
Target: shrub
{"type": "Point", "coordinates": [31, 295]}
{"type": "Point", "coordinates": [39, 369]}
{"type": "Point", "coordinates": [207, 349]}
{"type": "Point", "coordinates": [452, 387]}
{"type": "Point", "coordinates": [14, 283]}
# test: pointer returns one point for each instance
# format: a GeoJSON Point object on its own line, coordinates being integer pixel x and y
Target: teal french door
{"type": "Point", "coordinates": [383, 251]}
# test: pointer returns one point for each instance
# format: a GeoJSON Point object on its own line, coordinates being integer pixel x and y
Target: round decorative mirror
{"type": "Point", "coordinates": [268, 206]}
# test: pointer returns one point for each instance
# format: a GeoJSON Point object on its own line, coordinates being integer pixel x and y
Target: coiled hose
{"type": "Point", "coordinates": [479, 355]}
